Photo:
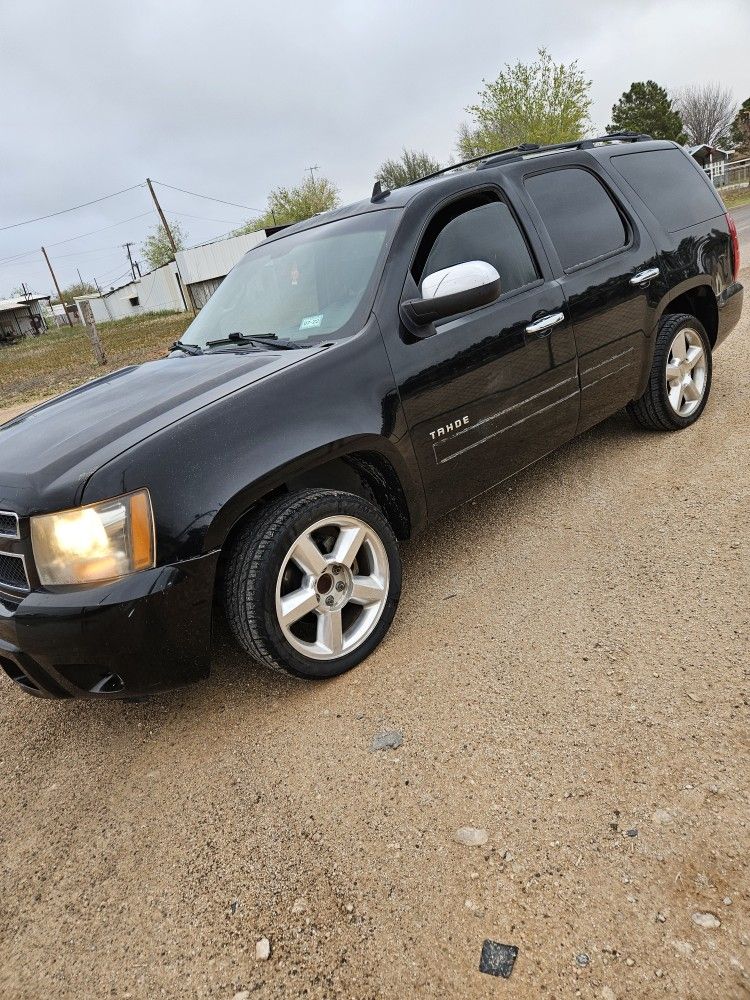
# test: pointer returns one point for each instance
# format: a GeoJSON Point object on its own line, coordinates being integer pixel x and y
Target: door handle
{"type": "Point", "coordinates": [643, 277]}
{"type": "Point", "coordinates": [541, 326]}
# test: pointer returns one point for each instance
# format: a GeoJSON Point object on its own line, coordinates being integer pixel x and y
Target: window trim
{"type": "Point", "coordinates": [627, 221]}
{"type": "Point", "coordinates": [465, 195]}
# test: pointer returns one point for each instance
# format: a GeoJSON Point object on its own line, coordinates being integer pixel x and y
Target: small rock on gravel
{"type": "Point", "coordinates": [707, 920]}
{"type": "Point", "coordinates": [608, 993]}
{"type": "Point", "coordinates": [263, 949]}
{"type": "Point", "coordinates": [387, 740]}
{"type": "Point", "coordinates": [497, 959]}
{"type": "Point", "coordinates": [471, 836]}
{"type": "Point", "coordinates": [242, 995]}
{"type": "Point", "coordinates": [582, 959]}
{"type": "Point", "coordinates": [662, 817]}
{"type": "Point", "coordinates": [298, 906]}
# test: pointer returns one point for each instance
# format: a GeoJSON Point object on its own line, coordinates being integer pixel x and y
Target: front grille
{"type": "Point", "coordinates": [8, 524]}
{"type": "Point", "coordinates": [13, 572]}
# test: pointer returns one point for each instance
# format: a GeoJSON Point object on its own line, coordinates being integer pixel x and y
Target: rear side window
{"type": "Point", "coordinates": [477, 229]}
{"type": "Point", "coordinates": [581, 218]}
{"type": "Point", "coordinates": [669, 186]}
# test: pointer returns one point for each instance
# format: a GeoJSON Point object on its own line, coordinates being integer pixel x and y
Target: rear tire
{"type": "Point", "coordinates": [680, 378]}
{"type": "Point", "coordinates": [312, 584]}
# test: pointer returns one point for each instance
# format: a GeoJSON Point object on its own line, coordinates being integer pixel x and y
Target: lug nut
{"type": "Point", "coordinates": [329, 600]}
{"type": "Point", "coordinates": [337, 570]}
{"type": "Point", "coordinates": [340, 585]}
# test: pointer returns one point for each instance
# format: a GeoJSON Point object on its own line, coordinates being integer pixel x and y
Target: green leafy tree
{"type": "Point", "coordinates": [78, 288]}
{"type": "Point", "coordinates": [648, 108]}
{"type": "Point", "coordinates": [410, 166]}
{"type": "Point", "coordinates": [542, 102]}
{"type": "Point", "coordinates": [157, 250]}
{"type": "Point", "coordinates": [287, 205]}
{"type": "Point", "coordinates": [741, 129]}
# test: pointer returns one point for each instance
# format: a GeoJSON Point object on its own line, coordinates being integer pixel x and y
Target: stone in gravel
{"type": "Point", "coordinates": [727, 901]}
{"type": "Point", "coordinates": [263, 949]}
{"type": "Point", "coordinates": [662, 817]}
{"type": "Point", "coordinates": [608, 993]}
{"type": "Point", "coordinates": [387, 740]}
{"type": "Point", "coordinates": [631, 833]}
{"type": "Point", "coordinates": [497, 959]}
{"type": "Point", "coordinates": [582, 959]}
{"type": "Point", "coordinates": [707, 920]}
{"type": "Point", "coordinates": [471, 836]}
{"type": "Point", "coordinates": [242, 995]}
{"type": "Point", "coordinates": [298, 906]}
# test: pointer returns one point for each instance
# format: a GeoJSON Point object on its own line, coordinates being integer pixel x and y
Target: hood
{"type": "Point", "coordinates": [48, 453]}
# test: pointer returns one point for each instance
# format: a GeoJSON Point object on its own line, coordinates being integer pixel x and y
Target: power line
{"type": "Point", "coordinates": [70, 239]}
{"type": "Point", "coordinates": [201, 218]}
{"type": "Point", "coordinates": [208, 197]}
{"type": "Point", "coordinates": [85, 204]}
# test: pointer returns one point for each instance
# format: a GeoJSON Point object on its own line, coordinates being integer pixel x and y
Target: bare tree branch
{"type": "Point", "coordinates": [707, 111]}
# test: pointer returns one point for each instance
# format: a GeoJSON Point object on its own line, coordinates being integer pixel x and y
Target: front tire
{"type": "Point", "coordinates": [312, 585]}
{"type": "Point", "coordinates": [680, 379]}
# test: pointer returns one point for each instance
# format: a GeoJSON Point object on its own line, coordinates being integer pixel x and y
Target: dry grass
{"type": "Point", "coordinates": [740, 196]}
{"type": "Point", "coordinates": [62, 359]}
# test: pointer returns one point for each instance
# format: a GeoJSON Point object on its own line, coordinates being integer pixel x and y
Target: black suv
{"type": "Point", "coordinates": [355, 377]}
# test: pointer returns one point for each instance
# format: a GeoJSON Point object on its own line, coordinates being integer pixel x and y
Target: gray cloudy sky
{"type": "Point", "coordinates": [231, 98]}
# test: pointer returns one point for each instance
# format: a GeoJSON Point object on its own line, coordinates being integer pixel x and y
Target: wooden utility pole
{"type": "Point", "coordinates": [130, 258]}
{"type": "Point", "coordinates": [59, 293]}
{"type": "Point", "coordinates": [93, 333]}
{"type": "Point", "coordinates": [172, 243]}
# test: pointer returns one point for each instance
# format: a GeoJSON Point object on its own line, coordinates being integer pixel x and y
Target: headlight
{"type": "Point", "coordinates": [91, 544]}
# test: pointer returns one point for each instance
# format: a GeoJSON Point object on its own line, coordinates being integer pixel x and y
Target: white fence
{"type": "Point", "coordinates": [730, 173]}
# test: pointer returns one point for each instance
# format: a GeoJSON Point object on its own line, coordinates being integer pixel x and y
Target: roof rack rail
{"type": "Point", "coordinates": [462, 163]}
{"type": "Point", "coordinates": [532, 149]}
{"type": "Point", "coordinates": [487, 160]}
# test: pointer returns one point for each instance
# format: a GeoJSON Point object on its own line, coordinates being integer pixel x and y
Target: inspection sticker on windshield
{"type": "Point", "coordinates": [311, 321]}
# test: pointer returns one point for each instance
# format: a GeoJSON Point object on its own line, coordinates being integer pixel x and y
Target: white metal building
{"type": "Point", "coordinates": [157, 291]}
{"type": "Point", "coordinates": [201, 269]}
{"type": "Point", "coordinates": [22, 317]}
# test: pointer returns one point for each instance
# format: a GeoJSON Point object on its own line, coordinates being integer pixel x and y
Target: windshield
{"type": "Point", "coordinates": [302, 289]}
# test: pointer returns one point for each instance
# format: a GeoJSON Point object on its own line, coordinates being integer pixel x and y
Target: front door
{"type": "Point", "coordinates": [606, 260]}
{"type": "Point", "coordinates": [496, 388]}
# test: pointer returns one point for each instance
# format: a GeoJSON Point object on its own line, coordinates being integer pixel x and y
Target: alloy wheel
{"type": "Point", "coordinates": [332, 587]}
{"type": "Point", "coordinates": [686, 372]}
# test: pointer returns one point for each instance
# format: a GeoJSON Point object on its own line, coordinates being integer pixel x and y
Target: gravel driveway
{"type": "Point", "coordinates": [570, 671]}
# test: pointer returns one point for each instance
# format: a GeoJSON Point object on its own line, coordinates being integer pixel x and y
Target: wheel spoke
{"type": "Point", "coordinates": [298, 604]}
{"type": "Point", "coordinates": [694, 357]}
{"type": "Point", "coordinates": [679, 346]}
{"type": "Point", "coordinates": [348, 545]}
{"type": "Point", "coordinates": [308, 556]}
{"type": "Point", "coordinates": [675, 397]}
{"type": "Point", "coordinates": [673, 371]}
{"type": "Point", "coordinates": [367, 590]}
{"type": "Point", "coordinates": [691, 391]}
{"type": "Point", "coordinates": [330, 632]}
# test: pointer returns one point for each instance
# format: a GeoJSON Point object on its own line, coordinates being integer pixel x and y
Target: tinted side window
{"type": "Point", "coordinates": [470, 231]}
{"type": "Point", "coordinates": [669, 185]}
{"type": "Point", "coordinates": [581, 218]}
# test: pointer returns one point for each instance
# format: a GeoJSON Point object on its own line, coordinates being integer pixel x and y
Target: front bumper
{"type": "Point", "coordinates": [146, 633]}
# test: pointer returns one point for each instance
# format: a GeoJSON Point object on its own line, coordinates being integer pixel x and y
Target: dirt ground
{"type": "Point", "coordinates": [570, 669]}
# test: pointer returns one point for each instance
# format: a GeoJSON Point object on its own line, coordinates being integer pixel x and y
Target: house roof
{"type": "Point", "coordinates": [704, 145]}
{"type": "Point", "coordinates": [10, 305]}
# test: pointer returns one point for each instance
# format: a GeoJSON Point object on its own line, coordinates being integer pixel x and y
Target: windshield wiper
{"type": "Point", "coordinates": [267, 340]}
{"type": "Point", "coordinates": [186, 348]}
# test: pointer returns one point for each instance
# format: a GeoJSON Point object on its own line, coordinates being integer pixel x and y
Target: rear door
{"type": "Point", "coordinates": [493, 389]}
{"type": "Point", "coordinates": [606, 261]}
